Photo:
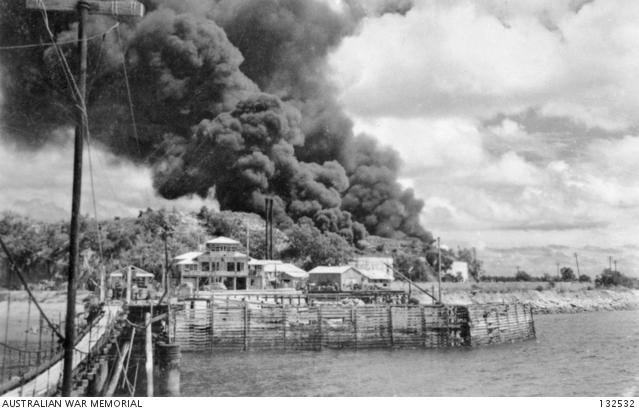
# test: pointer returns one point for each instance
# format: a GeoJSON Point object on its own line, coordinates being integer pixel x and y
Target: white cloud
{"type": "Point", "coordinates": [483, 58]}
{"type": "Point", "coordinates": [510, 168]}
{"type": "Point", "coordinates": [425, 143]}
{"type": "Point", "coordinates": [508, 129]}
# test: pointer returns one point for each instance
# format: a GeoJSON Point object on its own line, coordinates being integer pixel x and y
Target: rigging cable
{"type": "Point", "coordinates": [128, 91]}
{"type": "Point", "coordinates": [26, 286]}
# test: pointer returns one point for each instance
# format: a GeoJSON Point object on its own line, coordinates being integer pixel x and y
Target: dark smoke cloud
{"type": "Point", "coordinates": [230, 96]}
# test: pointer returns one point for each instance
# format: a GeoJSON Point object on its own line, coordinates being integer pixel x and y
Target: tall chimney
{"type": "Point", "coordinates": [268, 213]}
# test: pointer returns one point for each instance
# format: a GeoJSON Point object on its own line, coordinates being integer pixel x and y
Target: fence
{"type": "Point", "coordinates": [201, 327]}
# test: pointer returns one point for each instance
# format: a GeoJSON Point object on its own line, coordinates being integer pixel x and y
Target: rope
{"type": "Point", "coordinates": [61, 43]}
{"type": "Point", "coordinates": [61, 57]}
{"type": "Point", "coordinates": [26, 287]}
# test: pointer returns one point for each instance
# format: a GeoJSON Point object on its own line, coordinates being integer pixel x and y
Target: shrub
{"type": "Point", "coordinates": [567, 274]}
{"type": "Point", "coordinates": [522, 276]}
{"type": "Point", "coordinates": [609, 278]}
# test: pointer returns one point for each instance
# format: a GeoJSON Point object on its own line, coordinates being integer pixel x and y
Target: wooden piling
{"type": "Point", "coordinates": [118, 370]}
{"type": "Point", "coordinates": [149, 355]}
{"type": "Point", "coordinates": [284, 325]}
{"type": "Point", "coordinates": [101, 376]}
{"type": "Point", "coordinates": [169, 369]}
{"type": "Point", "coordinates": [128, 285]}
{"type": "Point", "coordinates": [319, 326]}
{"type": "Point", "coordinates": [354, 321]}
{"type": "Point", "coordinates": [390, 325]}
{"type": "Point", "coordinates": [246, 325]}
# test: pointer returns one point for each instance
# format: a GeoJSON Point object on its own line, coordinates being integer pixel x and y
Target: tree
{"type": "Point", "coordinates": [584, 278]}
{"type": "Point", "coordinates": [412, 266]}
{"type": "Point", "coordinates": [567, 274]}
{"type": "Point", "coordinates": [522, 276]}
{"type": "Point", "coordinates": [610, 278]}
{"type": "Point", "coordinates": [310, 248]}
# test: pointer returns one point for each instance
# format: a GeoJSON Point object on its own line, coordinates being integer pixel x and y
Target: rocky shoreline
{"type": "Point", "coordinates": [553, 301]}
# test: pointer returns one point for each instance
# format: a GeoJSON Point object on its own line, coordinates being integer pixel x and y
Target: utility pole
{"type": "Point", "coordinates": [610, 263]}
{"type": "Point", "coordinates": [165, 266]}
{"type": "Point", "coordinates": [577, 261]}
{"type": "Point", "coordinates": [615, 265]}
{"type": "Point", "coordinates": [82, 8]}
{"type": "Point", "coordinates": [439, 272]}
{"type": "Point", "coordinates": [248, 245]}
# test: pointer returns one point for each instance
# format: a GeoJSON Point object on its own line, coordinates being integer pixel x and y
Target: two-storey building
{"type": "Point", "coordinates": [220, 261]}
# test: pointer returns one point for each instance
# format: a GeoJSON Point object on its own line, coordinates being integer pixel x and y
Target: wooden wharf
{"type": "Point", "coordinates": [243, 327]}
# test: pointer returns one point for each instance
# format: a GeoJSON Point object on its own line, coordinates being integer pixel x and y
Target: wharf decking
{"type": "Point", "coordinates": [44, 380]}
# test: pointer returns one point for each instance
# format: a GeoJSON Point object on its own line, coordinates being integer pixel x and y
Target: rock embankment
{"type": "Point", "coordinates": [552, 301]}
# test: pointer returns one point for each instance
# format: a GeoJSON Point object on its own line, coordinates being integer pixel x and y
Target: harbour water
{"type": "Point", "coordinates": [585, 354]}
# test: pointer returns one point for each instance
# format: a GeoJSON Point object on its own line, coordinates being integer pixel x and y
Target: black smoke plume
{"type": "Point", "coordinates": [230, 96]}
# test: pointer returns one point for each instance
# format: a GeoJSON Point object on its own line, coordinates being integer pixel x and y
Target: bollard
{"type": "Point", "coordinates": [169, 363]}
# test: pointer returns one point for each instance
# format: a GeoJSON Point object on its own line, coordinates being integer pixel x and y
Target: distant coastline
{"type": "Point", "coordinates": [544, 299]}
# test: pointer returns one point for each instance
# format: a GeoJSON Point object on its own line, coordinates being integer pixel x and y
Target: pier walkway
{"type": "Point", "coordinates": [44, 380]}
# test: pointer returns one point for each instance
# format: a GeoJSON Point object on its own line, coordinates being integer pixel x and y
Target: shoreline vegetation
{"type": "Point", "coordinates": [544, 298]}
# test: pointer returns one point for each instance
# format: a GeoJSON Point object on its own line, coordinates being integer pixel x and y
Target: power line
{"type": "Point", "coordinates": [57, 43]}
{"type": "Point", "coordinates": [128, 92]}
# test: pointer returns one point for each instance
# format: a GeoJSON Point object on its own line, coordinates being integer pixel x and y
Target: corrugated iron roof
{"type": "Point", "coordinates": [376, 275]}
{"type": "Point", "coordinates": [189, 256]}
{"type": "Point", "coordinates": [222, 240]}
{"type": "Point", "coordinates": [285, 268]}
{"type": "Point", "coordinates": [338, 269]}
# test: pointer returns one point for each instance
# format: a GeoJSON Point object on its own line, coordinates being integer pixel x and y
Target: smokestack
{"type": "Point", "coordinates": [270, 229]}
{"type": "Point", "coordinates": [268, 212]}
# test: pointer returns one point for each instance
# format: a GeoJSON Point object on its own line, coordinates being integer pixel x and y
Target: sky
{"type": "Point", "coordinates": [517, 123]}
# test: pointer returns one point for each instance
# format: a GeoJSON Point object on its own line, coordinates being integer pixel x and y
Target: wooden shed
{"type": "Point", "coordinates": [337, 278]}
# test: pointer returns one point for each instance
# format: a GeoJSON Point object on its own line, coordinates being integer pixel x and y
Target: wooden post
{"type": "Point", "coordinates": [390, 325]}
{"type": "Point", "coordinates": [212, 323]}
{"type": "Point", "coordinates": [354, 321]}
{"type": "Point", "coordinates": [169, 364]}
{"type": "Point", "coordinates": [128, 285]}
{"type": "Point", "coordinates": [102, 284]}
{"type": "Point", "coordinates": [423, 310]}
{"type": "Point", "coordinates": [149, 355]}
{"type": "Point", "coordinates": [246, 326]}
{"type": "Point", "coordinates": [439, 272]}
{"type": "Point", "coordinates": [532, 322]}
{"type": "Point", "coordinates": [319, 325]}
{"type": "Point", "coordinates": [6, 335]}
{"type": "Point", "coordinates": [498, 324]}
{"type": "Point", "coordinates": [118, 370]}
{"type": "Point", "coordinates": [100, 377]}
{"type": "Point", "coordinates": [284, 324]}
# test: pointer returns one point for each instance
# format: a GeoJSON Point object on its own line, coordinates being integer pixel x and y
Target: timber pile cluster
{"type": "Point", "coordinates": [198, 328]}
{"type": "Point", "coordinates": [498, 323]}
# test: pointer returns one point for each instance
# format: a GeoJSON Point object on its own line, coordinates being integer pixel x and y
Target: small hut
{"type": "Point", "coordinates": [141, 282]}
{"type": "Point", "coordinates": [338, 278]}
